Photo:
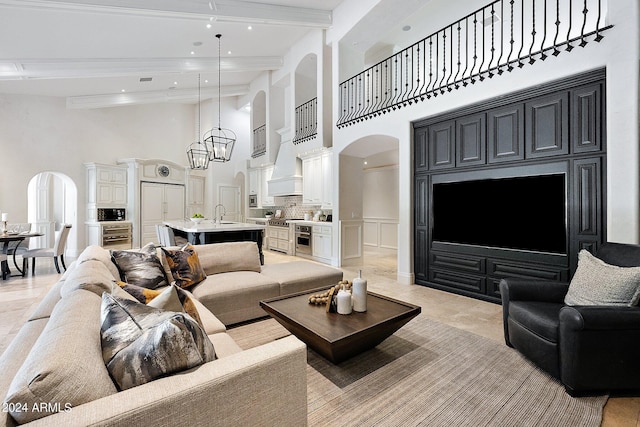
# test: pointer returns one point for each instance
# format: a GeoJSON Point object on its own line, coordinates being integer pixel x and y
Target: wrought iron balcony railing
{"type": "Point", "coordinates": [259, 141]}
{"type": "Point", "coordinates": [306, 121]}
{"type": "Point", "coordinates": [496, 38]}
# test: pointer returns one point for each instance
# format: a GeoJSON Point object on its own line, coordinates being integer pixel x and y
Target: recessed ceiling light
{"type": "Point", "coordinates": [206, 81]}
{"type": "Point", "coordinates": [193, 53]}
{"type": "Point", "coordinates": [229, 52]}
{"type": "Point", "coordinates": [197, 44]}
{"type": "Point", "coordinates": [122, 90]}
{"type": "Point", "coordinates": [406, 28]}
{"type": "Point", "coordinates": [175, 83]}
{"type": "Point", "coordinates": [249, 27]}
{"type": "Point", "coordinates": [209, 25]}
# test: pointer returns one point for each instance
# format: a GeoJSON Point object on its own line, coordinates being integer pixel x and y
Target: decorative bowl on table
{"type": "Point", "coordinates": [197, 220]}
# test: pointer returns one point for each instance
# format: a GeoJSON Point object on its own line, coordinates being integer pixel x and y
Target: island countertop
{"type": "Point", "coordinates": [208, 226]}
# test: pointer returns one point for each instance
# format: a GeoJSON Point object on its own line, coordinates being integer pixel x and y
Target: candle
{"type": "Point", "coordinates": [5, 216]}
{"type": "Point", "coordinates": [359, 289]}
{"type": "Point", "coordinates": [344, 301]}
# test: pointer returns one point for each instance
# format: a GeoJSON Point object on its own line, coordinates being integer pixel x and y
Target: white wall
{"type": "Point", "coordinates": [619, 52]}
{"type": "Point", "coordinates": [40, 134]}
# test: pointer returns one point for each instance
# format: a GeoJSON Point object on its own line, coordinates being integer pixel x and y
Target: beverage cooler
{"type": "Point", "coordinates": [116, 235]}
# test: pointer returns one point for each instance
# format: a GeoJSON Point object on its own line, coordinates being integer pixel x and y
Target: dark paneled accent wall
{"type": "Point", "coordinates": [556, 128]}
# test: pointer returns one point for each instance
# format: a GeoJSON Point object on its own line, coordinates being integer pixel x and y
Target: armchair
{"type": "Point", "coordinates": [590, 349]}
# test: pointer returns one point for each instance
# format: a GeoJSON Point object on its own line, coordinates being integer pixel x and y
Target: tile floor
{"type": "Point", "coordinates": [19, 297]}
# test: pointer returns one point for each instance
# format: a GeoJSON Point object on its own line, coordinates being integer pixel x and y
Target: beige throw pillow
{"type": "Point", "coordinates": [598, 283]}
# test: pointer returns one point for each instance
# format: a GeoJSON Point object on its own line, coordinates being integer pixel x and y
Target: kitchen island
{"type": "Point", "coordinates": [226, 231]}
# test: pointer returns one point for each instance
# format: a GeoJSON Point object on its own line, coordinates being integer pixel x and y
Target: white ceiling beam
{"type": "Point", "coordinates": [20, 69]}
{"type": "Point", "coordinates": [218, 10]}
{"type": "Point", "coordinates": [153, 97]}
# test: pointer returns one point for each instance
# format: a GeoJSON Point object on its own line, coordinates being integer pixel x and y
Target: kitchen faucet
{"type": "Point", "coordinates": [215, 212]}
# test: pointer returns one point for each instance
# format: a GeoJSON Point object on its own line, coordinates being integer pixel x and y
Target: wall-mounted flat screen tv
{"type": "Point", "coordinates": [524, 213]}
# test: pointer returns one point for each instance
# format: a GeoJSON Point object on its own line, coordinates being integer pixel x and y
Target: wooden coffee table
{"type": "Point", "coordinates": [335, 336]}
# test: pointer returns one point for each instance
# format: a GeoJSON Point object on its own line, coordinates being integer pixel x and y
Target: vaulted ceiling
{"type": "Point", "coordinates": [110, 52]}
{"type": "Point", "coordinates": [99, 53]}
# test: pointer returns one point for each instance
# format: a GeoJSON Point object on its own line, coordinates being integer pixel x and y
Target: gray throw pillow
{"type": "Point", "coordinates": [142, 343]}
{"type": "Point", "coordinates": [598, 283]}
{"type": "Point", "coordinates": [141, 268]}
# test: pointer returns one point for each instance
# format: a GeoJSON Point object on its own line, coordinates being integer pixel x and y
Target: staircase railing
{"type": "Point", "coordinates": [502, 36]}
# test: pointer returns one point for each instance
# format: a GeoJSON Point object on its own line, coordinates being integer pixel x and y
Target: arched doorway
{"type": "Point", "coordinates": [369, 203]}
{"type": "Point", "coordinates": [52, 200]}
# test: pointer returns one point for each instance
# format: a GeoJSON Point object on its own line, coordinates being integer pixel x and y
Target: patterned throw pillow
{"type": "Point", "coordinates": [185, 266]}
{"type": "Point", "coordinates": [171, 298]}
{"type": "Point", "coordinates": [141, 268]}
{"type": "Point", "coordinates": [598, 283]}
{"type": "Point", "coordinates": [142, 343]}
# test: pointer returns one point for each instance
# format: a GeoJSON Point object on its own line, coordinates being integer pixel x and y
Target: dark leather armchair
{"type": "Point", "coordinates": [590, 349]}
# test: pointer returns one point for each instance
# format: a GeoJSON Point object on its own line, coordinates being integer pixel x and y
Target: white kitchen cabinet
{"type": "Point", "coordinates": [159, 203]}
{"type": "Point", "coordinates": [106, 188]}
{"type": "Point", "coordinates": [278, 239]}
{"type": "Point", "coordinates": [267, 200]}
{"type": "Point", "coordinates": [312, 180]}
{"type": "Point", "coordinates": [327, 180]}
{"type": "Point", "coordinates": [106, 185]}
{"type": "Point", "coordinates": [321, 238]}
{"type": "Point", "coordinates": [317, 180]}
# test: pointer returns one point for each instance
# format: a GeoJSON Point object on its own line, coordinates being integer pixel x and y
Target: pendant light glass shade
{"type": "Point", "coordinates": [198, 153]}
{"type": "Point", "coordinates": [220, 141]}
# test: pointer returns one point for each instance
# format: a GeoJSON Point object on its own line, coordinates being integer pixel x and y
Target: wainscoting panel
{"type": "Point", "coordinates": [351, 241]}
{"type": "Point", "coordinates": [381, 233]}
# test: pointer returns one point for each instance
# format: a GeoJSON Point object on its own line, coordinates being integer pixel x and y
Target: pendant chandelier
{"type": "Point", "coordinates": [220, 141]}
{"type": "Point", "coordinates": [198, 153]}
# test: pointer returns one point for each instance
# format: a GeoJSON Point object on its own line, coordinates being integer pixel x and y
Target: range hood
{"type": "Point", "coordinates": [286, 179]}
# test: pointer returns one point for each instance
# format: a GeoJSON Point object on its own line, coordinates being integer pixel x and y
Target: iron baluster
{"type": "Point", "coordinates": [444, 60]}
{"type": "Point", "coordinates": [466, 52]}
{"type": "Point", "coordinates": [569, 46]}
{"type": "Point", "coordinates": [511, 41]}
{"type": "Point", "coordinates": [556, 52]}
{"type": "Point", "coordinates": [533, 31]}
{"type": "Point", "coordinates": [493, 49]}
{"type": "Point", "coordinates": [543, 56]}
{"type": "Point", "coordinates": [484, 36]}
{"type": "Point", "coordinates": [455, 79]}
{"type": "Point", "coordinates": [598, 35]}
{"type": "Point", "coordinates": [583, 40]}
{"type": "Point", "coordinates": [501, 17]}
{"type": "Point", "coordinates": [520, 63]}
{"type": "Point", "coordinates": [475, 47]}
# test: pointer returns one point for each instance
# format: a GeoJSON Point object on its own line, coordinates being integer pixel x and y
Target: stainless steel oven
{"type": "Point", "coordinates": [303, 240]}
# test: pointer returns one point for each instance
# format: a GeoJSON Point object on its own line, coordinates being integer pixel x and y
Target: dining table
{"type": "Point", "coordinates": [5, 239]}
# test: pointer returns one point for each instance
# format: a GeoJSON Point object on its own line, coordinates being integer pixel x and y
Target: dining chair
{"type": "Point", "coordinates": [3, 265]}
{"type": "Point", "coordinates": [57, 251]}
{"type": "Point", "coordinates": [165, 235]}
{"type": "Point", "coordinates": [18, 247]}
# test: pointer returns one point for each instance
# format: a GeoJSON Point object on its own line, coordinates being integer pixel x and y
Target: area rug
{"type": "Point", "coordinates": [432, 374]}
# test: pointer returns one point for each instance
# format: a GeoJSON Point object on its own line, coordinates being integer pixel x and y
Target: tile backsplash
{"type": "Point", "coordinates": [292, 207]}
